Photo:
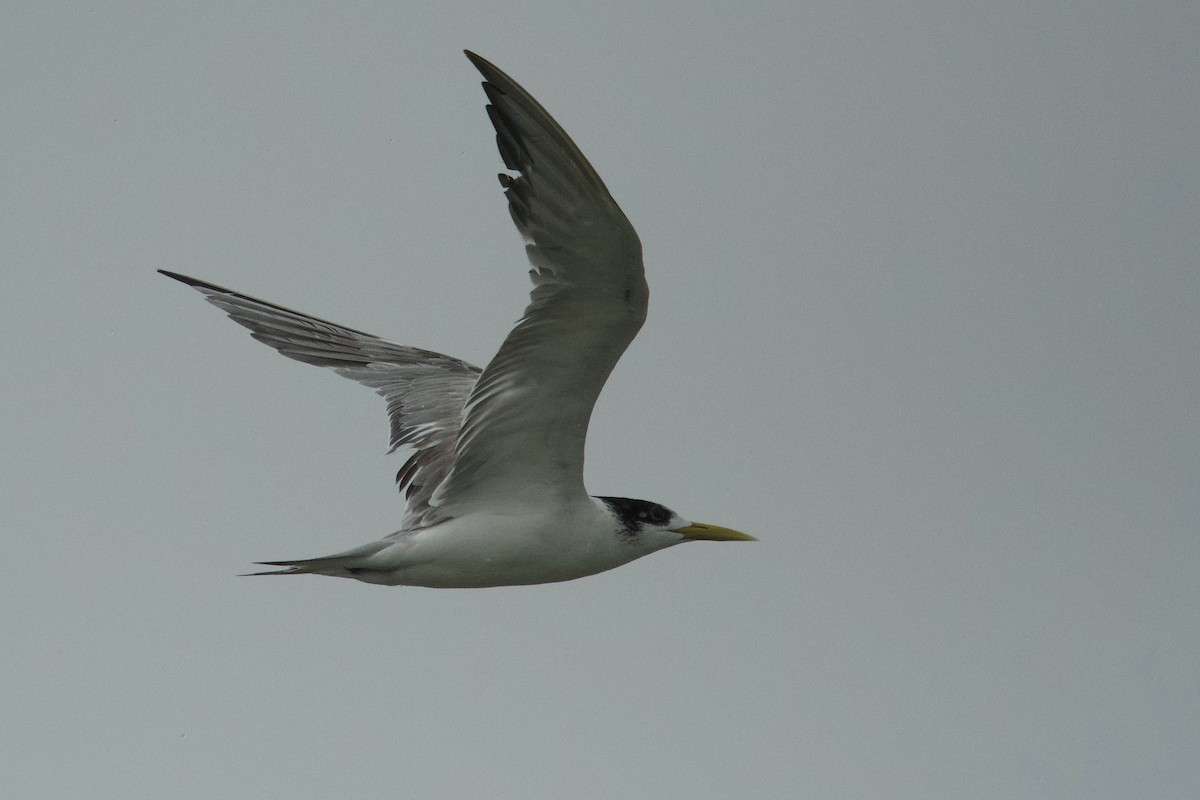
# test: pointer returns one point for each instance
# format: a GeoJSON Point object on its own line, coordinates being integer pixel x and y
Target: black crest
{"type": "Point", "coordinates": [637, 514]}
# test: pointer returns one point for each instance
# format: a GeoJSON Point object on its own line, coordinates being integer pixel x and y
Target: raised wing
{"type": "Point", "coordinates": [526, 419]}
{"type": "Point", "coordinates": [425, 391]}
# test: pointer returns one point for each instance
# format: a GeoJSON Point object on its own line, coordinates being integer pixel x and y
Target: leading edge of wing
{"type": "Point", "coordinates": [316, 341]}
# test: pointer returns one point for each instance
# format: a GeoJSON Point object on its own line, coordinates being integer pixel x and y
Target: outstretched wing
{"type": "Point", "coordinates": [522, 438]}
{"type": "Point", "coordinates": [425, 391]}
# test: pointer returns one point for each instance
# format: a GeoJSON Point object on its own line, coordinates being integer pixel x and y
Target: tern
{"type": "Point", "coordinates": [494, 482]}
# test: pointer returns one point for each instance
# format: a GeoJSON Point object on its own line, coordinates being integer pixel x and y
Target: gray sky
{"type": "Point", "coordinates": [924, 319]}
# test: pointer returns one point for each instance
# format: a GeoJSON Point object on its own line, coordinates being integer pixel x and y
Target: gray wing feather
{"type": "Point", "coordinates": [425, 391]}
{"type": "Point", "coordinates": [527, 416]}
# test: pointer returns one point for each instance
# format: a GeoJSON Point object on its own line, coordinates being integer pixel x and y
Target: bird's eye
{"type": "Point", "coordinates": [660, 516]}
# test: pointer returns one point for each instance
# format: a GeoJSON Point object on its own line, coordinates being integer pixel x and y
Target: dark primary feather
{"type": "Point", "coordinates": [425, 391]}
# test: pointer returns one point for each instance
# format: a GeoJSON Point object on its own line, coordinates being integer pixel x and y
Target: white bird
{"type": "Point", "coordinates": [494, 485]}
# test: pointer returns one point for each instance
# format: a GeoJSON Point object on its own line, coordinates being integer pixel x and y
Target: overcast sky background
{"type": "Point", "coordinates": [924, 319]}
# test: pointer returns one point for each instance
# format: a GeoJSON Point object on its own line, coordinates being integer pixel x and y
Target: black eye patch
{"type": "Point", "coordinates": [637, 514]}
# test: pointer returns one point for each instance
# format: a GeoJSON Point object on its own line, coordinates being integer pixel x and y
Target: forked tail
{"type": "Point", "coordinates": [349, 564]}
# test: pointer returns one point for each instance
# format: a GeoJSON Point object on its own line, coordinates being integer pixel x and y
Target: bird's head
{"type": "Point", "coordinates": [653, 526]}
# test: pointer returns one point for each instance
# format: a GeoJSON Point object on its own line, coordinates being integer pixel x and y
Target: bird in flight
{"type": "Point", "coordinates": [494, 482]}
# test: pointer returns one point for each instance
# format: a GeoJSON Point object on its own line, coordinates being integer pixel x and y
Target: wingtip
{"type": "Point", "coordinates": [196, 283]}
{"type": "Point", "coordinates": [486, 68]}
{"type": "Point", "coordinates": [182, 278]}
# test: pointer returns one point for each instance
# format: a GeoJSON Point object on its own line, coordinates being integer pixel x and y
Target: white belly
{"type": "Point", "coordinates": [499, 550]}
